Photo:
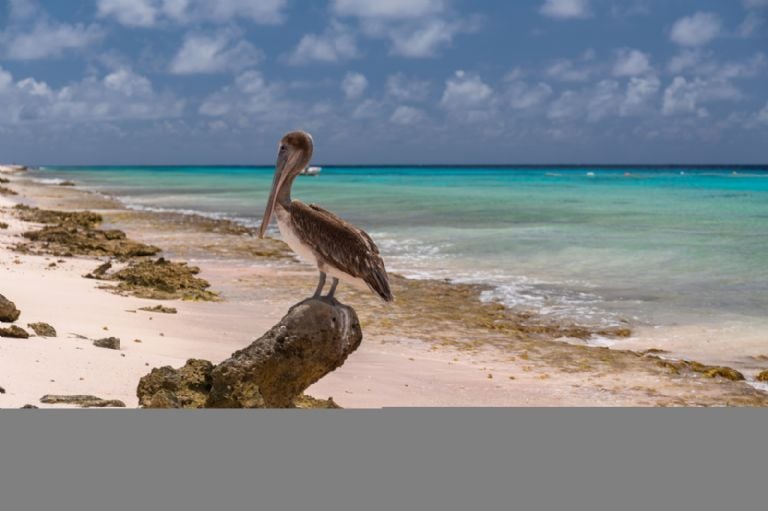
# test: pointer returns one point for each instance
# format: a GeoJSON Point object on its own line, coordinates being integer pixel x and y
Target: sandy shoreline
{"type": "Point", "coordinates": [437, 346]}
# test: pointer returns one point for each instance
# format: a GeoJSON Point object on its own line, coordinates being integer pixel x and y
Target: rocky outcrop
{"type": "Point", "coordinates": [70, 233]}
{"type": "Point", "coordinates": [112, 343]}
{"type": "Point", "coordinates": [8, 311]}
{"type": "Point", "coordinates": [763, 376]}
{"type": "Point", "coordinates": [313, 338]}
{"type": "Point", "coordinates": [42, 329]}
{"type": "Point", "coordinates": [162, 280]}
{"type": "Point", "coordinates": [14, 331]}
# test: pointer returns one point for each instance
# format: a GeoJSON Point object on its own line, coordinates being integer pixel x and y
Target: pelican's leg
{"type": "Point", "coordinates": [334, 283]}
{"type": "Point", "coordinates": [320, 285]}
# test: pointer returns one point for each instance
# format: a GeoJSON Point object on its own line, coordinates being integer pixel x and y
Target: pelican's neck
{"type": "Point", "coordinates": [284, 195]}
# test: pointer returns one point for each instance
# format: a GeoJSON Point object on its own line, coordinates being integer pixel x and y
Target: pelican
{"type": "Point", "coordinates": [336, 247]}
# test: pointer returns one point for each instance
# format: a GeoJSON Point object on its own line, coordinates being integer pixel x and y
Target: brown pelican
{"type": "Point", "coordinates": [318, 236]}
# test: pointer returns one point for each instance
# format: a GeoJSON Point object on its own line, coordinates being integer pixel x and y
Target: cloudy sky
{"type": "Point", "coordinates": [395, 81]}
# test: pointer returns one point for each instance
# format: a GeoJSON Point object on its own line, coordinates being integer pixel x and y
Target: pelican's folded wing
{"type": "Point", "coordinates": [342, 245]}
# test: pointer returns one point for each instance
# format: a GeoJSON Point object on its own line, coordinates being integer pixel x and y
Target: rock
{"type": "Point", "coordinates": [14, 331]}
{"type": "Point", "coordinates": [313, 338]}
{"type": "Point", "coordinates": [99, 272]}
{"type": "Point", "coordinates": [677, 366]}
{"type": "Point", "coordinates": [162, 309]}
{"type": "Point", "coordinates": [6, 191]}
{"type": "Point", "coordinates": [29, 407]}
{"type": "Point", "coordinates": [304, 402]}
{"type": "Point", "coordinates": [8, 311]}
{"type": "Point", "coordinates": [166, 387]}
{"type": "Point", "coordinates": [164, 280]}
{"type": "Point", "coordinates": [85, 401]}
{"type": "Point", "coordinates": [763, 376]}
{"type": "Point", "coordinates": [3, 225]}
{"type": "Point", "coordinates": [67, 183]}
{"type": "Point", "coordinates": [87, 219]}
{"type": "Point", "coordinates": [112, 343]}
{"type": "Point", "coordinates": [2, 390]}
{"type": "Point", "coordinates": [43, 329]}
{"type": "Point", "coordinates": [70, 240]}
{"type": "Point", "coordinates": [4, 180]}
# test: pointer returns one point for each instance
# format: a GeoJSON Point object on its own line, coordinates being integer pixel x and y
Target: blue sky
{"type": "Point", "coordinates": [396, 81]}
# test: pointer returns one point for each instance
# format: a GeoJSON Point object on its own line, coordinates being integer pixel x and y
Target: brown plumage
{"type": "Point", "coordinates": [337, 247]}
{"type": "Point", "coordinates": [339, 244]}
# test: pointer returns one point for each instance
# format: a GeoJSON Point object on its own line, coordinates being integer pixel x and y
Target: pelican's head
{"type": "Point", "coordinates": [293, 155]}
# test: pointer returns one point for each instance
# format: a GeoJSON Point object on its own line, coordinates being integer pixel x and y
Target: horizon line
{"type": "Point", "coordinates": [434, 165]}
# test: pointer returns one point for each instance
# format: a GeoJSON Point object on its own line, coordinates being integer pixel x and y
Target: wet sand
{"type": "Point", "coordinates": [437, 345]}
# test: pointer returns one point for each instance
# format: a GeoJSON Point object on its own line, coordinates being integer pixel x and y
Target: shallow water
{"type": "Point", "coordinates": [657, 246]}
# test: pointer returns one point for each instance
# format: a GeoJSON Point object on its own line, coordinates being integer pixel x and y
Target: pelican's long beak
{"type": "Point", "coordinates": [277, 183]}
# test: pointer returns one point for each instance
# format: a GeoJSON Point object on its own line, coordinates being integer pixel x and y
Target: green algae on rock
{"type": "Point", "coordinates": [186, 387]}
{"type": "Point", "coordinates": [68, 241]}
{"type": "Point", "coordinates": [49, 216]}
{"type": "Point", "coordinates": [42, 329]}
{"type": "Point", "coordinates": [85, 401]}
{"type": "Point", "coordinates": [162, 309]}
{"type": "Point", "coordinates": [163, 280]}
{"type": "Point", "coordinates": [678, 366]}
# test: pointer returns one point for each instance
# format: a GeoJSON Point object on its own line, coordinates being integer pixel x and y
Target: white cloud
{"type": "Point", "coordinates": [415, 28]}
{"type": "Point", "coordinates": [148, 13]}
{"type": "Point", "coordinates": [354, 85]}
{"type": "Point", "coordinates": [698, 63]}
{"type": "Point", "coordinates": [214, 53]}
{"type": "Point", "coordinates": [118, 96]}
{"type": "Point", "coordinates": [641, 91]}
{"type": "Point", "coordinates": [523, 96]}
{"type": "Point", "coordinates": [696, 30]}
{"type": "Point", "coordinates": [389, 9]}
{"type": "Point", "coordinates": [566, 71]}
{"type": "Point", "coordinates": [258, 11]}
{"type": "Point", "coordinates": [134, 13]}
{"type": "Point", "coordinates": [403, 88]}
{"type": "Point", "coordinates": [335, 44]}
{"type": "Point", "coordinates": [567, 106]}
{"type": "Point", "coordinates": [751, 24]}
{"type": "Point", "coordinates": [31, 34]}
{"type": "Point", "coordinates": [605, 100]}
{"type": "Point", "coordinates": [463, 92]}
{"type": "Point", "coordinates": [405, 115]}
{"type": "Point", "coordinates": [687, 96]}
{"type": "Point", "coordinates": [49, 40]}
{"type": "Point", "coordinates": [762, 115]}
{"type": "Point", "coordinates": [631, 62]}
{"type": "Point", "coordinates": [251, 97]}
{"type": "Point", "coordinates": [565, 9]}
{"type": "Point", "coordinates": [425, 40]}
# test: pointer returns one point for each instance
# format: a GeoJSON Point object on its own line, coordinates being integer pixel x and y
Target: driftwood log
{"type": "Point", "coordinates": [313, 338]}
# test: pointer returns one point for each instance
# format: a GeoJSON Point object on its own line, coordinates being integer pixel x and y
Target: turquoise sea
{"type": "Point", "coordinates": [656, 246]}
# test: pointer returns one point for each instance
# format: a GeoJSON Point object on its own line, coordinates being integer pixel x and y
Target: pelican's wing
{"type": "Point", "coordinates": [341, 245]}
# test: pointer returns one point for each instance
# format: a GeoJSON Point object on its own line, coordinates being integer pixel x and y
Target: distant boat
{"type": "Point", "coordinates": [311, 171]}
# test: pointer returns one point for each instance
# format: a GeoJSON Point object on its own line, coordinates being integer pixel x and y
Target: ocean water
{"type": "Point", "coordinates": [655, 246]}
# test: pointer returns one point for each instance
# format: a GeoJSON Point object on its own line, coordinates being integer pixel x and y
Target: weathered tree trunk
{"type": "Point", "coordinates": [314, 338]}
